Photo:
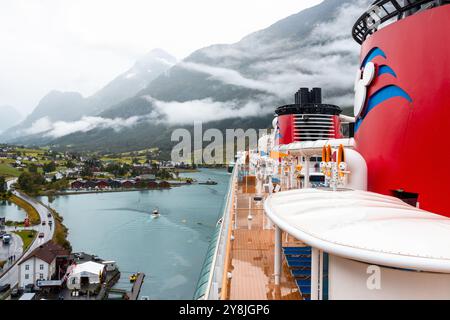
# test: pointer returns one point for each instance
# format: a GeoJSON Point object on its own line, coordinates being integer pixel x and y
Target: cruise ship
{"type": "Point", "coordinates": [333, 207]}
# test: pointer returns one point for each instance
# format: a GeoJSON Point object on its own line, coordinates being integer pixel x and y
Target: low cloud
{"type": "Point", "coordinates": [62, 128]}
{"type": "Point", "coordinates": [205, 110]}
{"type": "Point", "coordinates": [171, 113]}
{"type": "Point", "coordinates": [39, 126]}
{"type": "Point", "coordinates": [229, 76]}
{"type": "Point", "coordinates": [326, 57]}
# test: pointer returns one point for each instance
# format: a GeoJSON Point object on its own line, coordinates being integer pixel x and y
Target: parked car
{"type": "Point", "coordinates": [15, 293]}
{"type": "Point", "coordinates": [6, 239]}
{"type": "Point", "coordinates": [41, 235]}
{"type": "Point", "coordinates": [29, 288]}
{"type": "Point", "coordinates": [5, 288]}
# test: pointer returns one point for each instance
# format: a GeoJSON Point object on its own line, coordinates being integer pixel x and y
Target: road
{"type": "Point", "coordinates": [12, 276]}
{"type": "Point", "coordinates": [15, 248]}
{"type": "Point", "coordinates": [9, 183]}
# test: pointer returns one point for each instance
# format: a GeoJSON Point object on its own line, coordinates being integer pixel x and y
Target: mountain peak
{"type": "Point", "coordinates": [156, 56]}
{"type": "Point", "coordinates": [56, 94]}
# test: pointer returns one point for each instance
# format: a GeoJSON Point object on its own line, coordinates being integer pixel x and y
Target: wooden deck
{"type": "Point", "coordinates": [252, 254]}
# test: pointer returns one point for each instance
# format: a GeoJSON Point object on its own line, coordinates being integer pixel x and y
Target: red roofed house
{"type": "Point", "coordinates": [40, 264]}
{"type": "Point", "coordinates": [128, 184]}
{"type": "Point", "coordinates": [102, 184]}
{"type": "Point", "coordinates": [78, 184]}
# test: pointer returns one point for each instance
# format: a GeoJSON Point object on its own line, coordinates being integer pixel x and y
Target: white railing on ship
{"type": "Point", "coordinates": [214, 286]}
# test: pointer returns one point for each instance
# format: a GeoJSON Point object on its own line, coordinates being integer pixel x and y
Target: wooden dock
{"type": "Point", "coordinates": [136, 289]}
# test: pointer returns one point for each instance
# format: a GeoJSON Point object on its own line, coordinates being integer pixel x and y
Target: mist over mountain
{"type": "Point", "coordinates": [134, 80]}
{"type": "Point", "coordinates": [9, 116]}
{"type": "Point", "coordinates": [231, 85]}
{"type": "Point", "coordinates": [59, 106]}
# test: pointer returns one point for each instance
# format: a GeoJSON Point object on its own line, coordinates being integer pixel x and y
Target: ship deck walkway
{"type": "Point", "coordinates": [252, 252]}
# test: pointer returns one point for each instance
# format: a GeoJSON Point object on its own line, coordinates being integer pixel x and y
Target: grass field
{"type": "Point", "coordinates": [61, 232]}
{"type": "Point", "coordinates": [27, 237]}
{"type": "Point", "coordinates": [125, 159]}
{"type": "Point", "coordinates": [31, 152]}
{"type": "Point", "coordinates": [8, 171]}
{"type": "Point", "coordinates": [33, 215]}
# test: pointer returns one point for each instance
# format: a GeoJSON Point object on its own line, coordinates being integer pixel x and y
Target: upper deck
{"type": "Point", "coordinates": [384, 12]}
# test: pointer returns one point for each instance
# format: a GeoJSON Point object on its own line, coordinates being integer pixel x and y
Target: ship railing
{"type": "Point", "coordinates": [209, 286]}
{"type": "Point", "coordinates": [383, 12]}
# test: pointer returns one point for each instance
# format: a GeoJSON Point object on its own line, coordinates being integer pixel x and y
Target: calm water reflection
{"type": "Point", "coordinates": [11, 212]}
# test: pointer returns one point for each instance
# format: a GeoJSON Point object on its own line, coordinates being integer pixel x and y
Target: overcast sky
{"type": "Point", "coordinates": [81, 45]}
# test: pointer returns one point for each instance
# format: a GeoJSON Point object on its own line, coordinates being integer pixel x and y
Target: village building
{"type": "Point", "coordinates": [86, 276]}
{"type": "Point", "coordinates": [115, 184]}
{"type": "Point", "coordinates": [90, 184]}
{"type": "Point", "coordinates": [128, 184]}
{"type": "Point", "coordinates": [41, 264]}
{"type": "Point", "coordinates": [164, 185]}
{"type": "Point", "coordinates": [102, 184]}
{"type": "Point", "coordinates": [146, 177]}
{"type": "Point", "coordinates": [78, 184]}
{"type": "Point", "coordinates": [152, 185]}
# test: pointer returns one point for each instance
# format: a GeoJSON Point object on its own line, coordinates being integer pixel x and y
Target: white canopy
{"type": "Point", "coordinates": [364, 226]}
{"type": "Point", "coordinates": [89, 267]}
{"type": "Point", "coordinates": [313, 148]}
{"type": "Point", "coordinates": [90, 270]}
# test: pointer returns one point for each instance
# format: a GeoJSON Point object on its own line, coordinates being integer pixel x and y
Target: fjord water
{"type": "Point", "coordinates": [170, 250]}
{"type": "Point", "coordinates": [11, 211]}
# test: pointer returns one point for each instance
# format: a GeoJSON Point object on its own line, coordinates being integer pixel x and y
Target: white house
{"type": "Point", "coordinates": [87, 274]}
{"type": "Point", "coordinates": [40, 264]}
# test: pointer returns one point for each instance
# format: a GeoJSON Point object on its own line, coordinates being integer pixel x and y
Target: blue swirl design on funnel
{"type": "Point", "coordinates": [384, 69]}
{"type": "Point", "coordinates": [385, 93]}
{"type": "Point", "coordinates": [375, 52]}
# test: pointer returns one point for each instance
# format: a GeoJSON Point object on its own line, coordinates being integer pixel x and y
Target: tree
{"type": "Point", "coordinates": [155, 167]}
{"type": "Point", "coordinates": [29, 182]}
{"type": "Point", "coordinates": [49, 167]}
{"type": "Point", "coordinates": [2, 184]}
{"type": "Point", "coordinates": [70, 164]}
{"type": "Point", "coordinates": [32, 168]}
{"type": "Point", "coordinates": [86, 171]}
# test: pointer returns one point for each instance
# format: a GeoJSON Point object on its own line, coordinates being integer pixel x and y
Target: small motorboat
{"type": "Point", "coordinates": [209, 182]}
{"type": "Point", "coordinates": [155, 213]}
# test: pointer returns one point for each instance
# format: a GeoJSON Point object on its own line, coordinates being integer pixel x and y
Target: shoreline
{"type": "Point", "coordinates": [71, 193]}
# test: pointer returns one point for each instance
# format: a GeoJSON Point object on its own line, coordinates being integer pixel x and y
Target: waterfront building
{"type": "Point", "coordinates": [78, 184]}
{"type": "Point", "coordinates": [86, 276]}
{"type": "Point", "coordinates": [41, 264]}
